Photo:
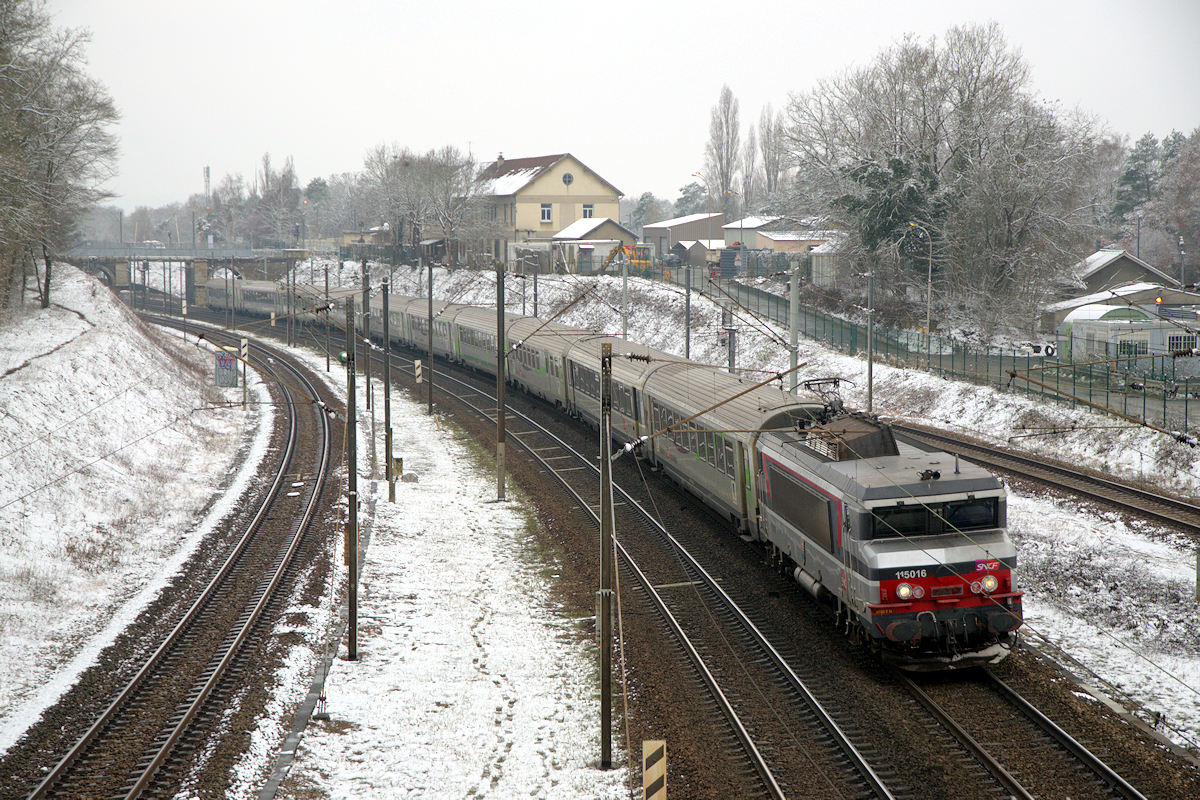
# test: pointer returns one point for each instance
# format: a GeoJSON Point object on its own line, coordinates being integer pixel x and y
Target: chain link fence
{"type": "Point", "coordinates": [1153, 390]}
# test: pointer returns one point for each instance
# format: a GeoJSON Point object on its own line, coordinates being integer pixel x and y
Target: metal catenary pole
{"type": "Point", "coordinates": [604, 595]}
{"type": "Point", "coordinates": [499, 380]}
{"type": "Point", "coordinates": [794, 323]}
{"type": "Point", "coordinates": [327, 318]}
{"type": "Point", "coordinates": [366, 319]}
{"type": "Point", "coordinates": [352, 487]}
{"type": "Point", "coordinates": [687, 312]}
{"type": "Point", "coordinates": [870, 340]}
{"type": "Point", "coordinates": [387, 395]}
{"type": "Point", "coordinates": [429, 369]}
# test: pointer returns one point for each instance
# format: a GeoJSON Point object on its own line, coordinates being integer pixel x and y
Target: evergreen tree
{"type": "Point", "coordinates": [1136, 186]}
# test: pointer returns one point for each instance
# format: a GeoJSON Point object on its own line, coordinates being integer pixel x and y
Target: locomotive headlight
{"type": "Point", "coordinates": [904, 591]}
{"type": "Point", "coordinates": [918, 592]}
{"type": "Point", "coordinates": [989, 583]}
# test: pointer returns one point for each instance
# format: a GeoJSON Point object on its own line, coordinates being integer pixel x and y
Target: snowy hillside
{"type": "Point", "coordinates": [114, 452]}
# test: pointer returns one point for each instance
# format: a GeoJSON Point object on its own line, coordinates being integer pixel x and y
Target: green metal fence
{"type": "Point", "coordinates": [1151, 390]}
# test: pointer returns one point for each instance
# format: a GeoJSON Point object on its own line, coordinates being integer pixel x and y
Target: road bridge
{"type": "Point", "coordinates": [118, 264]}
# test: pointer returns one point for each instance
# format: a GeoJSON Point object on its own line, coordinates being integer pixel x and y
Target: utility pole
{"type": "Point", "coordinates": [499, 380]}
{"type": "Point", "coordinates": [794, 323]}
{"type": "Point", "coordinates": [687, 312]}
{"type": "Point", "coordinates": [387, 394]}
{"type": "Point", "coordinates": [537, 267]}
{"type": "Point", "coordinates": [604, 596]}
{"type": "Point", "coordinates": [352, 485]}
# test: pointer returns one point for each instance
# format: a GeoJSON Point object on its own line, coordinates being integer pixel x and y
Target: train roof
{"type": "Point", "coordinates": [688, 386]}
{"type": "Point", "coordinates": [545, 334]}
{"type": "Point", "coordinates": [872, 470]}
{"type": "Point", "coordinates": [626, 370]}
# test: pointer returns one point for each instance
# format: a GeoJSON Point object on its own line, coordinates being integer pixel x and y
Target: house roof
{"type": "Point", "coordinates": [507, 176]}
{"type": "Point", "coordinates": [1109, 295]}
{"type": "Point", "coordinates": [750, 223]}
{"type": "Point", "coordinates": [798, 236]}
{"type": "Point", "coordinates": [670, 223]}
{"type": "Point", "coordinates": [1102, 258]}
{"type": "Point", "coordinates": [580, 228]}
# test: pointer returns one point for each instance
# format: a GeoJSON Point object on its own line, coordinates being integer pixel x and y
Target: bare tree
{"type": "Point", "coordinates": [456, 198]}
{"type": "Point", "coordinates": [55, 143]}
{"type": "Point", "coordinates": [750, 177]}
{"type": "Point", "coordinates": [723, 149]}
{"type": "Point", "coordinates": [773, 149]}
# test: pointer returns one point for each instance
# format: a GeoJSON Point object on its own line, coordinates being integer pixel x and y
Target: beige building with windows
{"type": "Point", "coordinates": [535, 198]}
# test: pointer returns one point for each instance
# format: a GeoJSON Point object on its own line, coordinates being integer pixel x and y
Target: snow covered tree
{"type": "Point", "coordinates": [456, 199]}
{"type": "Point", "coordinates": [692, 199]}
{"type": "Point", "coordinates": [1177, 207]}
{"type": "Point", "coordinates": [947, 137]}
{"type": "Point", "coordinates": [55, 144]}
{"type": "Point", "coordinates": [1136, 185]}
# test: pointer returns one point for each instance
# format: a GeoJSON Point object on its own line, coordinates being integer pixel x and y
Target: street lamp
{"type": "Point", "coordinates": [929, 278]}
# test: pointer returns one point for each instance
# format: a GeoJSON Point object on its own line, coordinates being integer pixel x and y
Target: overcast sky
{"type": "Point", "coordinates": [626, 87]}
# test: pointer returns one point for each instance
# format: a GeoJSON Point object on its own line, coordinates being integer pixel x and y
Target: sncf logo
{"type": "Point", "coordinates": [986, 566]}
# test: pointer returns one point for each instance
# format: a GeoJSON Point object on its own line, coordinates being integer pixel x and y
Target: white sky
{"type": "Point", "coordinates": [626, 87]}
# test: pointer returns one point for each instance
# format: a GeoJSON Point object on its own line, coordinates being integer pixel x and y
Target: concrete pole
{"type": "Point", "coordinates": [366, 320]}
{"type": "Point", "coordinates": [429, 368]}
{"type": "Point", "coordinates": [327, 318]}
{"type": "Point", "coordinates": [352, 486]}
{"type": "Point", "coordinates": [604, 595]}
{"type": "Point", "coordinates": [387, 394]}
{"type": "Point", "coordinates": [500, 380]}
{"type": "Point", "coordinates": [687, 312]}
{"type": "Point", "coordinates": [536, 269]}
{"type": "Point", "coordinates": [624, 298]}
{"type": "Point", "coordinates": [870, 340]}
{"type": "Point", "coordinates": [794, 324]}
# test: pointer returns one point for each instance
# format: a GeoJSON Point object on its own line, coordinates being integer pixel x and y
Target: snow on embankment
{"type": "Point", "coordinates": [110, 447]}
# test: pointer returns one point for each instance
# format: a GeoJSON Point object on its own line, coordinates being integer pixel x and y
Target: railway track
{"type": "Point", "coordinates": [1026, 752]}
{"type": "Point", "coordinates": [788, 737]}
{"type": "Point", "coordinates": [1128, 497]}
{"type": "Point", "coordinates": [148, 738]}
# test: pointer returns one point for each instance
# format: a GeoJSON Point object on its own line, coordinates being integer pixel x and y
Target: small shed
{"type": "Point", "coordinates": [699, 252]}
{"type": "Point", "coordinates": [598, 228]}
{"type": "Point", "coordinates": [1108, 268]}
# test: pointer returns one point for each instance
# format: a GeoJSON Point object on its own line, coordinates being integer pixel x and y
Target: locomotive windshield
{"type": "Point", "coordinates": [933, 518]}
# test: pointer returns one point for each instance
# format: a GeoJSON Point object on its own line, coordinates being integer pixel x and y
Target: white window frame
{"type": "Point", "coordinates": [589, 211]}
{"type": "Point", "coordinates": [547, 212]}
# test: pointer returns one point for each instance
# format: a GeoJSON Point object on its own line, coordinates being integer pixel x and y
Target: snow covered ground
{"type": "Point", "coordinates": [469, 682]}
{"type": "Point", "coordinates": [1118, 598]}
{"type": "Point", "coordinates": [100, 419]}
